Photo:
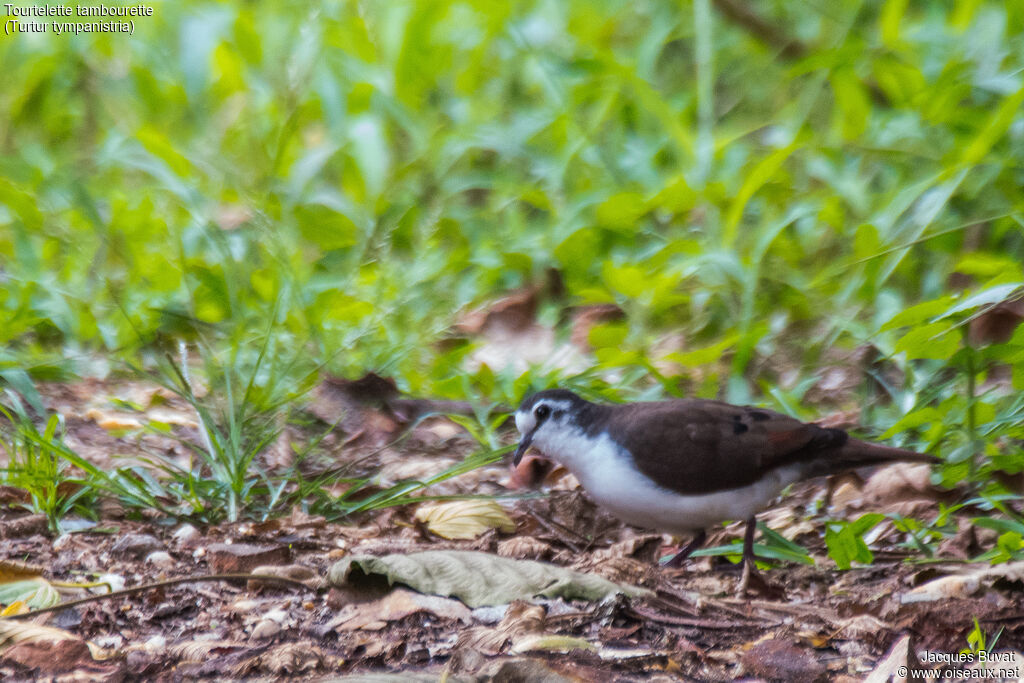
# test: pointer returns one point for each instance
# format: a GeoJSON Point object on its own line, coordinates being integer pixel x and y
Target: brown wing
{"type": "Point", "coordinates": [698, 446]}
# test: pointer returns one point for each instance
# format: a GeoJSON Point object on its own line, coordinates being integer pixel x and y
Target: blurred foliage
{"type": "Point", "coordinates": [771, 180]}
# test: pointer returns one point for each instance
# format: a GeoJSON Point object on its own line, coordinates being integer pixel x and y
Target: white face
{"type": "Point", "coordinates": [550, 414]}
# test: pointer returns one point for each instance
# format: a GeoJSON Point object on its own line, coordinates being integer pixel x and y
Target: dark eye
{"type": "Point", "coordinates": [541, 411]}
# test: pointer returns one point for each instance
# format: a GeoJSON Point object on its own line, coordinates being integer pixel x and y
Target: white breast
{"type": "Point", "coordinates": [613, 482]}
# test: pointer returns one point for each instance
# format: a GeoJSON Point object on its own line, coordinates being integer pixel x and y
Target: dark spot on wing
{"type": "Point", "coordinates": [759, 416]}
{"type": "Point", "coordinates": [739, 428]}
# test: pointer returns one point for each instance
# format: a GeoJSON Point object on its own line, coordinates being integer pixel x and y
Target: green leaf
{"type": "Point", "coordinates": [628, 280]}
{"type": "Point", "coordinates": [994, 129]}
{"type": "Point", "coordinates": [992, 295]}
{"type": "Point", "coordinates": [607, 335]}
{"type": "Point", "coordinates": [919, 313]}
{"type": "Point", "coordinates": [759, 176]}
{"type": "Point", "coordinates": [845, 543]}
{"type": "Point", "coordinates": [621, 211]}
{"type": "Point", "coordinates": [705, 356]}
{"type": "Point", "coordinates": [929, 341]}
{"type": "Point", "coordinates": [889, 21]}
{"type": "Point", "coordinates": [852, 103]}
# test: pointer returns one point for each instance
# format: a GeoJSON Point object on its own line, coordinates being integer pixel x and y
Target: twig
{"type": "Point", "coordinates": [161, 584]}
{"type": "Point", "coordinates": [761, 30]}
{"type": "Point", "coordinates": [557, 530]}
{"type": "Point", "coordinates": [699, 623]}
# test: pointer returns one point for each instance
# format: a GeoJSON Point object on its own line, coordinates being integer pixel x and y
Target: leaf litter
{"type": "Point", "coordinates": [832, 625]}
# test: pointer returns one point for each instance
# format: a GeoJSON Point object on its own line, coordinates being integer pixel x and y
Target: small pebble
{"type": "Point", "coordinates": [115, 581]}
{"type": "Point", "coordinates": [276, 615]}
{"type": "Point", "coordinates": [186, 534]}
{"type": "Point", "coordinates": [161, 559]}
{"type": "Point", "coordinates": [265, 629]}
{"type": "Point", "coordinates": [156, 644]}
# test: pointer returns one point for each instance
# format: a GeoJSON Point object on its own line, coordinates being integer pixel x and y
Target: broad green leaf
{"type": "Point", "coordinates": [846, 545]}
{"type": "Point", "coordinates": [913, 420]}
{"type": "Point", "coordinates": [621, 211]}
{"type": "Point", "coordinates": [607, 335]}
{"type": "Point", "coordinates": [628, 280]}
{"type": "Point", "coordinates": [919, 313]}
{"type": "Point", "coordinates": [936, 340]}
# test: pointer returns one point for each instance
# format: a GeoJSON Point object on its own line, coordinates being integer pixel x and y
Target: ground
{"type": "Point", "coordinates": [822, 623]}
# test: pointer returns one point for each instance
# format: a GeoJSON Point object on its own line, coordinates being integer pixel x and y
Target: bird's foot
{"type": "Point", "coordinates": [753, 583]}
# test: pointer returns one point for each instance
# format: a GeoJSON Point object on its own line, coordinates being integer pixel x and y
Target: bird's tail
{"type": "Point", "coordinates": [855, 454]}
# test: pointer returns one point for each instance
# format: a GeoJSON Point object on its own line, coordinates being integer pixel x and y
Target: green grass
{"type": "Point", "coordinates": [33, 464]}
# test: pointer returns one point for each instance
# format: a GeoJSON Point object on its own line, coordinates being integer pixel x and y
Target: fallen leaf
{"type": "Point", "coordinates": [525, 548]}
{"type": "Point", "coordinates": [292, 658]}
{"type": "Point", "coordinates": [778, 659]}
{"type": "Point", "coordinates": [44, 648]}
{"type": "Point", "coordinates": [464, 519]}
{"type": "Point", "coordinates": [202, 650]}
{"type": "Point", "coordinates": [295, 572]}
{"type": "Point", "coordinates": [521, 618]}
{"type": "Point", "coordinates": [22, 587]}
{"type": "Point", "coordinates": [964, 584]}
{"type": "Point", "coordinates": [398, 604]}
{"type": "Point", "coordinates": [550, 643]}
{"type": "Point", "coordinates": [478, 578]}
{"type": "Point", "coordinates": [888, 669]}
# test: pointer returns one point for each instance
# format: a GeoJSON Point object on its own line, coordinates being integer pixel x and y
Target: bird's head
{"type": "Point", "coordinates": [544, 416]}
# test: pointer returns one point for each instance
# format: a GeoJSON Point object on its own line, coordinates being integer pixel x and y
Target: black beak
{"type": "Point", "coordinates": [524, 446]}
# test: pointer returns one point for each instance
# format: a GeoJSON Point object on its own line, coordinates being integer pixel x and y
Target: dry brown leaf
{"type": "Point", "coordinates": [15, 633]}
{"type": "Point", "coordinates": [45, 649]}
{"type": "Point", "coordinates": [201, 650]}
{"type": "Point", "coordinates": [521, 618]}
{"type": "Point", "coordinates": [464, 519]}
{"type": "Point", "coordinates": [965, 583]}
{"type": "Point", "coordinates": [525, 548]}
{"type": "Point", "coordinates": [893, 665]}
{"type": "Point", "coordinates": [292, 658]}
{"type": "Point", "coordinates": [550, 643]}
{"type": "Point", "coordinates": [398, 604]}
{"type": "Point", "coordinates": [113, 421]}
{"type": "Point", "coordinates": [295, 572]}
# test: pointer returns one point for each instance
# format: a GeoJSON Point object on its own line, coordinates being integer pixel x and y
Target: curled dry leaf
{"type": "Point", "coordinates": [14, 632]}
{"type": "Point", "coordinates": [295, 572]}
{"type": "Point", "coordinates": [464, 519]}
{"type": "Point", "coordinates": [292, 658]}
{"type": "Point", "coordinates": [398, 604]}
{"type": "Point", "coordinates": [46, 648]}
{"type": "Point", "coordinates": [964, 584]}
{"type": "Point", "coordinates": [49, 656]}
{"type": "Point", "coordinates": [521, 619]}
{"type": "Point", "coordinates": [22, 587]}
{"type": "Point", "coordinates": [202, 650]}
{"type": "Point", "coordinates": [550, 643]}
{"type": "Point", "coordinates": [525, 548]}
{"type": "Point", "coordinates": [894, 665]}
